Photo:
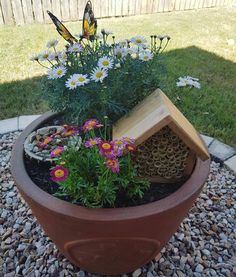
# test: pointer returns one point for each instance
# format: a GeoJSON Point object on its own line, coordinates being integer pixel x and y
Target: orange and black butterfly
{"type": "Point", "coordinates": [89, 22]}
{"type": "Point", "coordinates": [62, 30]}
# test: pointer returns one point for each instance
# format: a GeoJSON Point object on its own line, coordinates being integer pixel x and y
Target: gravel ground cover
{"type": "Point", "coordinates": [204, 244]}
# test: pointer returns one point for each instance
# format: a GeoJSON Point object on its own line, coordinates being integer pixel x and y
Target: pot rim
{"type": "Point", "coordinates": [42, 198]}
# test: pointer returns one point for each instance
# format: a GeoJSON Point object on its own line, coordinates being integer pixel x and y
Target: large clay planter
{"type": "Point", "coordinates": [106, 241]}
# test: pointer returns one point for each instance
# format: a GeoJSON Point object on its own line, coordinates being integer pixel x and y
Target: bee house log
{"type": "Point", "coordinates": [167, 143]}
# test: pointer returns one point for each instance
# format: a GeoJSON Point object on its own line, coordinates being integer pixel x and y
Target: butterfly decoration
{"type": "Point", "coordinates": [62, 30]}
{"type": "Point", "coordinates": [89, 25]}
{"type": "Point", "coordinates": [89, 22]}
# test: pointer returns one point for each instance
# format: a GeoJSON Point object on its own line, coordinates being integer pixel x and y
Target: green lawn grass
{"type": "Point", "coordinates": [198, 48]}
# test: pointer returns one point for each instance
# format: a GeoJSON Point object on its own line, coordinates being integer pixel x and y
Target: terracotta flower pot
{"type": "Point", "coordinates": [106, 241]}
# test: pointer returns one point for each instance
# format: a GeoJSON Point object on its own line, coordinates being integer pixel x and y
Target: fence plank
{"type": "Point", "coordinates": [104, 6]}
{"type": "Point", "coordinates": [56, 8]}
{"type": "Point", "coordinates": [73, 10]}
{"type": "Point", "coordinates": [112, 8]}
{"type": "Point", "coordinates": [177, 5]}
{"type": "Point", "coordinates": [38, 11]}
{"type": "Point", "coordinates": [125, 7]}
{"type": "Point", "coordinates": [149, 8]}
{"type": "Point", "coordinates": [17, 12]}
{"type": "Point", "coordinates": [47, 6]}
{"type": "Point", "coordinates": [97, 7]}
{"type": "Point", "coordinates": [138, 6]}
{"type": "Point", "coordinates": [161, 5]}
{"type": "Point", "coordinates": [1, 16]}
{"type": "Point", "coordinates": [81, 6]}
{"type": "Point", "coordinates": [65, 10]}
{"type": "Point", "coordinates": [7, 12]}
{"type": "Point", "coordinates": [143, 6]}
{"type": "Point", "coordinates": [118, 7]}
{"type": "Point", "coordinates": [27, 11]}
{"type": "Point", "coordinates": [132, 5]}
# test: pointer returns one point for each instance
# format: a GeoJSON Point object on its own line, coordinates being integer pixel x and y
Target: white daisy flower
{"type": "Point", "coordinates": [71, 83]}
{"type": "Point", "coordinates": [105, 62]}
{"type": "Point", "coordinates": [51, 56]}
{"type": "Point", "coordinates": [81, 79]}
{"type": "Point", "coordinates": [60, 71]}
{"type": "Point", "coordinates": [139, 41]}
{"type": "Point", "coordinates": [98, 74]}
{"type": "Point", "coordinates": [44, 56]}
{"type": "Point", "coordinates": [117, 65]}
{"type": "Point", "coordinates": [145, 56]}
{"type": "Point", "coordinates": [35, 57]}
{"type": "Point", "coordinates": [52, 43]}
{"type": "Point", "coordinates": [51, 74]}
{"type": "Point", "coordinates": [62, 57]}
{"type": "Point", "coordinates": [132, 50]}
{"type": "Point", "coordinates": [75, 48]}
{"type": "Point", "coordinates": [120, 52]}
{"type": "Point", "coordinates": [123, 43]}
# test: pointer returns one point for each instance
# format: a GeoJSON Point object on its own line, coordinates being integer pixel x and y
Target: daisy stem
{"type": "Point", "coordinates": [55, 50]}
{"type": "Point", "coordinates": [50, 62]}
{"type": "Point", "coordinates": [43, 65]}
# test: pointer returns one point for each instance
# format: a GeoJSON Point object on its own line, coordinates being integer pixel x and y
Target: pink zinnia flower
{"type": "Point", "coordinates": [70, 131]}
{"type": "Point", "coordinates": [91, 142]}
{"type": "Point", "coordinates": [59, 173]}
{"type": "Point", "coordinates": [47, 140]}
{"type": "Point", "coordinates": [113, 164]}
{"type": "Point", "coordinates": [91, 124]}
{"type": "Point", "coordinates": [57, 151]}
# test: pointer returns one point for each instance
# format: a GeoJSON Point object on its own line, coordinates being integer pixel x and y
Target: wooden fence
{"type": "Point", "coordinates": [29, 11]}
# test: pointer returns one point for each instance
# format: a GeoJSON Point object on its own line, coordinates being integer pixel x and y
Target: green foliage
{"type": "Point", "coordinates": [91, 184]}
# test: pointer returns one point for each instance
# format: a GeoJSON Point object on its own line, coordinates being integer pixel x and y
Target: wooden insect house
{"type": "Point", "coordinates": [167, 143]}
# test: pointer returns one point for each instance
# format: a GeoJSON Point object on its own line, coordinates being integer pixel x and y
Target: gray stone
{"type": "Point", "coordinates": [221, 150]}
{"type": "Point", "coordinates": [137, 272]}
{"type": "Point", "coordinates": [8, 125]}
{"type": "Point", "coordinates": [231, 163]}
{"type": "Point", "coordinates": [199, 268]}
{"type": "Point", "coordinates": [25, 120]}
{"type": "Point", "coordinates": [207, 140]}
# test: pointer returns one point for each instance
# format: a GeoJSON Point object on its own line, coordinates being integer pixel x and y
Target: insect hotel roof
{"type": "Point", "coordinates": [151, 115]}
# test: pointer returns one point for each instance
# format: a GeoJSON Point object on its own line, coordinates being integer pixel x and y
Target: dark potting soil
{"type": "Point", "coordinates": [39, 172]}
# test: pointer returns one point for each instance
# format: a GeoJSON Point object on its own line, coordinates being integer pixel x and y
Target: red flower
{"type": "Point", "coordinates": [113, 164]}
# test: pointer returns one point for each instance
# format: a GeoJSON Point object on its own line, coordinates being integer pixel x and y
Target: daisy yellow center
{"type": "Point", "coordinates": [81, 79]}
{"type": "Point", "coordinates": [106, 146]}
{"type": "Point", "coordinates": [91, 123]}
{"type": "Point", "coordinates": [93, 142]}
{"type": "Point", "coordinates": [138, 41]}
{"type": "Point", "coordinates": [59, 173]}
{"type": "Point", "coordinates": [59, 72]}
{"type": "Point", "coordinates": [145, 57]}
{"type": "Point", "coordinates": [47, 140]}
{"type": "Point", "coordinates": [105, 63]}
{"type": "Point", "coordinates": [45, 56]}
{"type": "Point", "coordinates": [72, 83]}
{"type": "Point", "coordinates": [119, 142]}
{"type": "Point", "coordinates": [62, 162]}
{"type": "Point", "coordinates": [57, 151]}
{"type": "Point", "coordinates": [99, 74]}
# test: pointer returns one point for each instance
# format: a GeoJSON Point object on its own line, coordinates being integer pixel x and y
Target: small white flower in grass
{"type": "Point", "coordinates": [188, 81]}
{"type": "Point", "coordinates": [105, 62]}
{"type": "Point", "coordinates": [71, 83]}
{"type": "Point", "coordinates": [139, 41]}
{"type": "Point", "coordinates": [75, 48]}
{"type": "Point", "coordinates": [145, 56]}
{"type": "Point", "coordinates": [98, 74]}
{"type": "Point", "coordinates": [81, 79]}
{"type": "Point", "coordinates": [60, 71]}
{"type": "Point", "coordinates": [51, 74]}
{"type": "Point", "coordinates": [52, 43]}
